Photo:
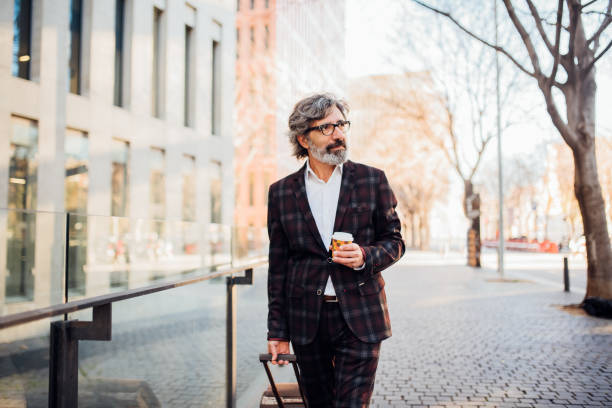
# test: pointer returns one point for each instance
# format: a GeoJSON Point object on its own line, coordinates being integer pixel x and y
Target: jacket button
{"type": "Point", "coordinates": [330, 260]}
{"type": "Point", "coordinates": [319, 291]}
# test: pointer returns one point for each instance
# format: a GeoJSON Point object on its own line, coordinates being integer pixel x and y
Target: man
{"type": "Point", "coordinates": [333, 310]}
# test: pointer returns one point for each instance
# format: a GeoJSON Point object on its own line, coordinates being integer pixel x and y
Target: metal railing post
{"type": "Point", "coordinates": [230, 335]}
{"type": "Point", "coordinates": [64, 354]}
{"type": "Point", "coordinates": [566, 282]}
{"type": "Point", "coordinates": [230, 349]}
{"type": "Point", "coordinates": [63, 366]}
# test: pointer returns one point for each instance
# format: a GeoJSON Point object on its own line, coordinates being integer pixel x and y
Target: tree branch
{"type": "Point", "coordinates": [480, 155]}
{"type": "Point", "coordinates": [588, 4]}
{"type": "Point", "coordinates": [471, 34]}
{"type": "Point", "coordinates": [602, 27]}
{"type": "Point", "coordinates": [586, 71]}
{"type": "Point", "coordinates": [557, 120]}
{"type": "Point", "coordinates": [556, 53]}
{"type": "Point", "coordinates": [533, 56]}
{"type": "Point", "coordinates": [538, 22]}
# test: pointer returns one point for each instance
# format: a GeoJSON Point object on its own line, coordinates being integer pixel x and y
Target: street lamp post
{"type": "Point", "coordinates": [500, 252]}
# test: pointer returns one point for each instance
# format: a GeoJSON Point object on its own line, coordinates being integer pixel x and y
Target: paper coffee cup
{"type": "Point", "coordinates": [339, 239]}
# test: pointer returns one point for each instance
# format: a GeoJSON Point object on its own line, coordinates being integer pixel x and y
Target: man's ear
{"type": "Point", "coordinates": [302, 141]}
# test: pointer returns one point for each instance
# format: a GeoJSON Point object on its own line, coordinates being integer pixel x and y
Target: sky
{"type": "Point", "coordinates": [369, 27]}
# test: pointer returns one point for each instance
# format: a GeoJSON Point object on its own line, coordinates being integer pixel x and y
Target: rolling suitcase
{"type": "Point", "coordinates": [282, 395]}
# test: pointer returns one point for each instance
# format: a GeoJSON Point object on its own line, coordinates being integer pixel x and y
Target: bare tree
{"type": "Point", "coordinates": [577, 58]}
{"type": "Point", "coordinates": [387, 136]}
{"type": "Point", "coordinates": [456, 102]}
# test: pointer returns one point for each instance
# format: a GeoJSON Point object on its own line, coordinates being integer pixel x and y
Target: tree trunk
{"type": "Point", "coordinates": [471, 209]}
{"type": "Point", "coordinates": [592, 207]}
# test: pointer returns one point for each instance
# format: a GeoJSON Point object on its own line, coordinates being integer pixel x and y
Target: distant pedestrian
{"type": "Point", "coordinates": [332, 309]}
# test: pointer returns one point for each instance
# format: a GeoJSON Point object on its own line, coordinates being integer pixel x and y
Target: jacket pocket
{"type": "Point", "coordinates": [371, 286]}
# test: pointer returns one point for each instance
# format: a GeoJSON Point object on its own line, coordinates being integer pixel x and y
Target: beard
{"type": "Point", "coordinates": [325, 154]}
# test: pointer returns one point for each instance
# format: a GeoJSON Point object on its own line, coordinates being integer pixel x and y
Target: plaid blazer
{"type": "Point", "coordinates": [299, 263]}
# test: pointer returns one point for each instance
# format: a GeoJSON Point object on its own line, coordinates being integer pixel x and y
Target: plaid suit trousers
{"type": "Point", "coordinates": [337, 368]}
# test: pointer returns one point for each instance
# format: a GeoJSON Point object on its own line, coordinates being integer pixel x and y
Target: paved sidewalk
{"type": "Point", "coordinates": [460, 338]}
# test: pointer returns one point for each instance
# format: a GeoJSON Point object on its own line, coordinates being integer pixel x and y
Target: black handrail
{"type": "Point", "coordinates": [70, 307]}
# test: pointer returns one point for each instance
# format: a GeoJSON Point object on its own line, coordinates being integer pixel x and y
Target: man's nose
{"type": "Point", "coordinates": [337, 133]}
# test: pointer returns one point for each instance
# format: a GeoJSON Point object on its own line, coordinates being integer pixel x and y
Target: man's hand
{"type": "Point", "coordinates": [349, 255]}
{"type": "Point", "coordinates": [276, 347]}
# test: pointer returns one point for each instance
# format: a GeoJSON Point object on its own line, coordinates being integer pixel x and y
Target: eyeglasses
{"type": "Point", "coordinates": [328, 128]}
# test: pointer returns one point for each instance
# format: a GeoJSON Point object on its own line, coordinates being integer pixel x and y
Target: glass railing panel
{"type": "Point", "coordinates": [167, 349]}
{"type": "Point", "coordinates": [249, 244]}
{"type": "Point", "coordinates": [24, 365]}
{"type": "Point", "coordinates": [110, 254]}
{"type": "Point", "coordinates": [32, 248]}
{"type": "Point", "coordinates": [220, 246]}
{"type": "Point", "coordinates": [251, 323]}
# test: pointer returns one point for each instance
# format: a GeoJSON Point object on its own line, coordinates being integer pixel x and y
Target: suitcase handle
{"type": "Point", "coordinates": [265, 358]}
{"type": "Point", "coordinates": [286, 357]}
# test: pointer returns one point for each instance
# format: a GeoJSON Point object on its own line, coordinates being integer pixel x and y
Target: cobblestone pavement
{"type": "Point", "coordinates": [462, 338]}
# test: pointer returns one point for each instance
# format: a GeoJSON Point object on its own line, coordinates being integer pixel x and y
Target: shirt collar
{"type": "Point", "coordinates": [310, 171]}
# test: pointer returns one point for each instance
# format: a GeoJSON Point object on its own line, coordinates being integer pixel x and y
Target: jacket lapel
{"type": "Point", "coordinates": [302, 202]}
{"type": "Point", "coordinates": [346, 188]}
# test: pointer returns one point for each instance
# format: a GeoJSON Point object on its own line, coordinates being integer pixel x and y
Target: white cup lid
{"type": "Point", "coordinates": [342, 236]}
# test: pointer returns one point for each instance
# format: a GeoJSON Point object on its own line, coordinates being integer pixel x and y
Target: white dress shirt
{"type": "Point", "coordinates": [323, 200]}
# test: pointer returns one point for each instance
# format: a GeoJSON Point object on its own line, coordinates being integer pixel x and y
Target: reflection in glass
{"type": "Point", "coordinates": [189, 188]}
{"type": "Point", "coordinates": [215, 192]}
{"type": "Point", "coordinates": [21, 227]}
{"type": "Point", "coordinates": [120, 156]}
{"type": "Point", "coordinates": [22, 38]}
{"type": "Point", "coordinates": [119, 34]}
{"type": "Point", "coordinates": [188, 74]}
{"type": "Point", "coordinates": [157, 183]}
{"type": "Point", "coordinates": [74, 61]}
{"type": "Point", "coordinates": [215, 119]}
{"type": "Point", "coordinates": [76, 185]}
{"type": "Point", "coordinates": [157, 62]}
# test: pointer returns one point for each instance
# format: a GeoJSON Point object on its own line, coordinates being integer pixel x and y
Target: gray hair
{"type": "Point", "coordinates": [306, 111]}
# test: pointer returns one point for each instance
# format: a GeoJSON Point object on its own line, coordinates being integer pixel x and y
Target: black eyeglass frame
{"type": "Point", "coordinates": [320, 128]}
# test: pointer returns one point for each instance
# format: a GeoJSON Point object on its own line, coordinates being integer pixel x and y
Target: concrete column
{"type": "Point", "coordinates": [50, 228]}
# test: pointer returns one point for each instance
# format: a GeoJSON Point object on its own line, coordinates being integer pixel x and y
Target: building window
{"type": "Point", "coordinates": [216, 89]}
{"type": "Point", "coordinates": [251, 189]}
{"type": "Point", "coordinates": [157, 183]}
{"type": "Point", "coordinates": [267, 3]}
{"type": "Point", "coordinates": [21, 227]}
{"type": "Point", "coordinates": [76, 184]}
{"type": "Point", "coordinates": [189, 188]}
{"type": "Point", "coordinates": [77, 179]}
{"type": "Point", "coordinates": [189, 85]}
{"type": "Point", "coordinates": [119, 51]}
{"type": "Point", "coordinates": [216, 190]}
{"type": "Point", "coordinates": [22, 38]}
{"type": "Point", "coordinates": [252, 4]}
{"type": "Point", "coordinates": [267, 37]}
{"type": "Point", "coordinates": [267, 178]}
{"type": "Point", "coordinates": [158, 58]}
{"type": "Point", "coordinates": [76, 34]}
{"type": "Point", "coordinates": [237, 43]}
{"type": "Point", "coordinates": [237, 5]}
{"type": "Point", "coordinates": [120, 159]}
{"type": "Point", "coordinates": [252, 38]}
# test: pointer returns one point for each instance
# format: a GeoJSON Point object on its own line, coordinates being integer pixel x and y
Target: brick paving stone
{"type": "Point", "coordinates": [458, 340]}
{"type": "Point", "coordinates": [497, 344]}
